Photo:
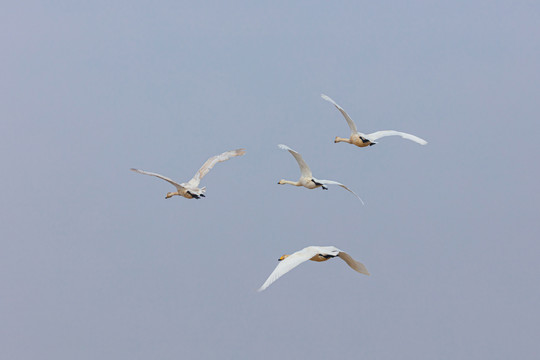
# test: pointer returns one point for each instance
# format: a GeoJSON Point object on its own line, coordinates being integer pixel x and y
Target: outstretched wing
{"type": "Point", "coordinates": [177, 185]}
{"type": "Point", "coordinates": [304, 168]}
{"type": "Point", "coordinates": [351, 123]}
{"type": "Point", "coordinates": [379, 134]}
{"type": "Point", "coordinates": [289, 263]}
{"type": "Point", "coordinates": [331, 182]}
{"type": "Point", "coordinates": [355, 265]}
{"type": "Point", "coordinates": [209, 164]}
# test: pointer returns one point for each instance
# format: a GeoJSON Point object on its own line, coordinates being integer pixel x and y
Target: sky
{"type": "Point", "coordinates": [96, 264]}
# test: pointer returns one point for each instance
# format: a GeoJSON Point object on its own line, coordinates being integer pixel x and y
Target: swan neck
{"type": "Point", "coordinates": [294, 183]}
{"type": "Point", "coordinates": [340, 139]}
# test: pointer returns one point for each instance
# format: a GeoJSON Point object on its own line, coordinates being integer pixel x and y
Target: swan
{"type": "Point", "coordinates": [362, 140]}
{"type": "Point", "coordinates": [306, 179]}
{"type": "Point", "coordinates": [313, 253]}
{"type": "Point", "coordinates": [190, 189]}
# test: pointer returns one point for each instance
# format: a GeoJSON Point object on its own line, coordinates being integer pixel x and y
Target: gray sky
{"type": "Point", "coordinates": [96, 264]}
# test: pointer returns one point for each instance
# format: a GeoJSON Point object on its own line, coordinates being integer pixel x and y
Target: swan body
{"type": "Point", "coordinates": [362, 140]}
{"type": "Point", "coordinates": [307, 179]}
{"type": "Point", "coordinates": [190, 189]}
{"type": "Point", "coordinates": [313, 253]}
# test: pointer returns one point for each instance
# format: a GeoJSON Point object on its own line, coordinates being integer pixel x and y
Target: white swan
{"type": "Point", "coordinates": [362, 140]}
{"type": "Point", "coordinates": [306, 178]}
{"type": "Point", "coordinates": [314, 253]}
{"type": "Point", "coordinates": [191, 189]}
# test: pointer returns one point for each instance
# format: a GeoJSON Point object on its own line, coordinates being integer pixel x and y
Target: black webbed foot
{"type": "Point", "coordinates": [193, 195]}
{"type": "Point", "coordinates": [364, 140]}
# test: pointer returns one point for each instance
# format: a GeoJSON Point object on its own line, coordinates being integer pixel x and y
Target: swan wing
{"type": "Point", "coordinates": [177, 185]}
{"type": "Point", "coordinates": [331, 182]}
{"type": "Point", "coordinates": [379, 134]}
{"type": "Point", "coordinates": [304, 168]}
{"type": "Point", "coordinates": [289, 263]}
{"type": "Point", "coordinates": [209, 164]}
{"type": "Point", "coordinates": [355, 265]}
{"type": "Point", "coordinates": [351, 123]}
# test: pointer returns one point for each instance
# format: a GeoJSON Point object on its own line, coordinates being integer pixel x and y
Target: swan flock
{"type": "Point", "coordinates": [191, 190]}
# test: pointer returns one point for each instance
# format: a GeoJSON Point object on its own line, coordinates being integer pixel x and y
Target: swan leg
{"type": "Point", "coordinates": [193, 195]}
{"type": "Point", "coordinates": [319, 184]}
{"type": "Point", "coordinates": [364, 140]}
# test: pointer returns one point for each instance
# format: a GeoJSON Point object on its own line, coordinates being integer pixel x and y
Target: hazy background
{"type": "Point", "coordinates": [96, 264]}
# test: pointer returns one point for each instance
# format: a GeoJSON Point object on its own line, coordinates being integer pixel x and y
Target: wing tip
{"type": "Point", "coordinates": [329, 99]}
{"type": "Point", "coordinates": [416, 139]}
{"type": "Point", "coordinates": [284, 147]}
{"type": "Point", "coordinates": [363, 269]}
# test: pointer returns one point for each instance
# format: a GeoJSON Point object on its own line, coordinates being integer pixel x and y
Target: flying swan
{"type": "Point", "coordinates": [191, 189]}
{"type": "Point", "coordinates": [306, 179]}
{"type": "Point", "coordinates": [362, 140]}
{"type": "Point", "coordinates": [313, 253]}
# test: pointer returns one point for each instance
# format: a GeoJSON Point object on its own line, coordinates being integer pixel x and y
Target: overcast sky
{"type": "Point", "coordinates": [96, 264]}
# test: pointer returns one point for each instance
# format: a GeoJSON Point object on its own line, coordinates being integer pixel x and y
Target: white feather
{"type": "Point", "coordinates": [177, 185]}
{"type": "Point", "coordinates": [379, 134]}
{"type": "Point", "coordinates": [332, 182]}
{"type": "Point", "coordinates": [351, 123]}
{"type": "Point", "coordinates": [304, 168]}
{"type": "Point", "coordinates": [209, 164]}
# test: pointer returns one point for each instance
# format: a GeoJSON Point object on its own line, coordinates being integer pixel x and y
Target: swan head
{"type": "Point", "coordinates": [281, 182]}
{"type": "Point", "coordinates": [283, 257]}
{"type": "Point", "coordinates": [169, 194]}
